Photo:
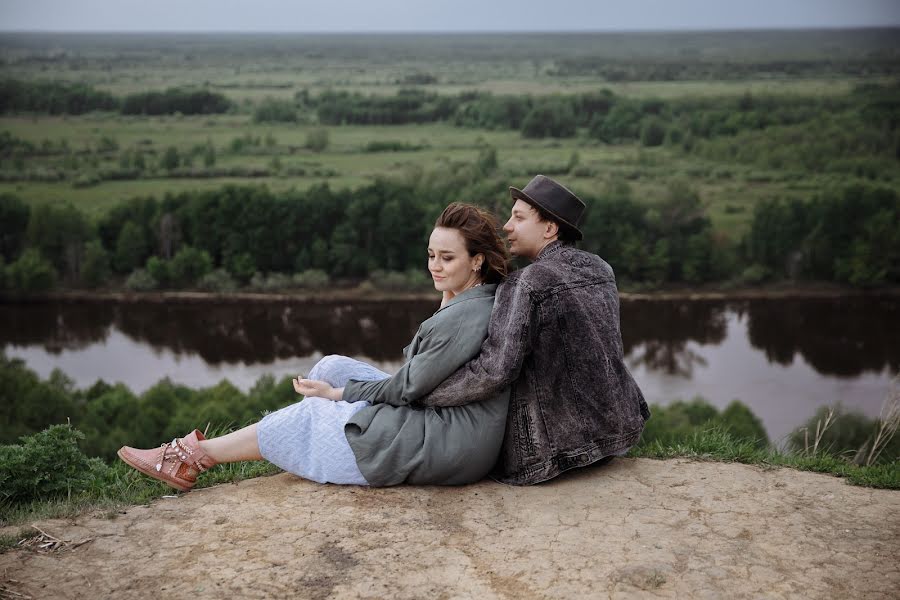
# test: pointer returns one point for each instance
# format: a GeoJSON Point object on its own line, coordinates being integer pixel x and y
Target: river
{"type": "Point", "coordinates": [784, 358]}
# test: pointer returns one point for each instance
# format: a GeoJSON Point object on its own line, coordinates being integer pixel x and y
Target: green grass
{"type": "Point", "coordinates": [123, 486]}
{"type": "Point", "coordinates": [718, 445]}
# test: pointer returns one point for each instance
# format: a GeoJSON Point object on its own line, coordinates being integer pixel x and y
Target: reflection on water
{"type": "Point", "coordinates": [656, 334]}
{"type": "Point", "coordinates": [784, 358]}
{"type": "Point", "coordinates": [225, 333]}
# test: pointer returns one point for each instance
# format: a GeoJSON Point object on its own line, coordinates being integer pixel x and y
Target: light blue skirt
{"type": "Point", "coordinates": [307, 438]}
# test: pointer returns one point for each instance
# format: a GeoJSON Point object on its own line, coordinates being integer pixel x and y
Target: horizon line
{"type": "Point", "coordinates": [446, 31]}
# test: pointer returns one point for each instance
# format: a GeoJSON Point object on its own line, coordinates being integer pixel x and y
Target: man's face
{"type": "Point", "coordinates": [527, 234]}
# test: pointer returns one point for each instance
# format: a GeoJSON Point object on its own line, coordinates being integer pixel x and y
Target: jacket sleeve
{"type": "Point", "coordinates": [509, 341]}
{"type": "Point", "coordinates": [441, 352]}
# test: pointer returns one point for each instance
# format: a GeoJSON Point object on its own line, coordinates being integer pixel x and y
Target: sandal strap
{"type": "Point", "coordinates": [178, 452]}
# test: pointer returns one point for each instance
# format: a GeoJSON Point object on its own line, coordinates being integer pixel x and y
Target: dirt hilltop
{"type": "Point", "coordinates": [634, 528]}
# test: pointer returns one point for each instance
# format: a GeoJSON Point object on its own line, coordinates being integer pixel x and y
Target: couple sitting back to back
{"type": "Point", "coordinates": [520, 376]}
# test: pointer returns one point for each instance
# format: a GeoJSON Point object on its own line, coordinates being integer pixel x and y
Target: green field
{"type": "Point", "coordinates": [250, 68]}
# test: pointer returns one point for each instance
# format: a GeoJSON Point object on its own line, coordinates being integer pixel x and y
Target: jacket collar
{"type": "Point", "coordinates": [482, 291]}
{"type": "Point", "coordinates": [549, 250]}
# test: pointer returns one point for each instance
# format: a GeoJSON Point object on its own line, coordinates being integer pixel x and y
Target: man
{"type": "Point", "coordinates": [554, 338]}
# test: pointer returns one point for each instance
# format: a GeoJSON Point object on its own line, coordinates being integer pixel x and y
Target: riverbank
{"type": "Point", "coordinates": [367, 294]}
{"type": "Point", "coordinates": [637, 527]}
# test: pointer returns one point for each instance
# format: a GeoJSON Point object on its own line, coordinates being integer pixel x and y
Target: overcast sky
{"type": "Point", "coordinates": [439, 15]}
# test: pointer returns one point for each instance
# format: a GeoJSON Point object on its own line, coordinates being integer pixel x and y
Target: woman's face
{"type": "Point", "coordinates": [449, 262]}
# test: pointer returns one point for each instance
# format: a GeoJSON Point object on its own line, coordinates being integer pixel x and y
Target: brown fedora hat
{"type": "Point", "coordinates": [553, 198]}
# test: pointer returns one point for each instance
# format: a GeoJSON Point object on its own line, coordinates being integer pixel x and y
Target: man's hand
{"type": "Point", "coordinates": [314, 387]}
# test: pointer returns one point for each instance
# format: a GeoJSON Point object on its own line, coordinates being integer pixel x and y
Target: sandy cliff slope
{"type": "Point", "coordinates": [635, 528]}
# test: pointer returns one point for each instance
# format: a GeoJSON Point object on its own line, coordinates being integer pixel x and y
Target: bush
{"type": "Point", "coordinates": [311, 279]}
{"type": "Point", "coordinates": [141, 281]}
{"type": "Point", "coordinates": [218, 281]}
{"type": "Point", "coordinates": [46, 465]}
{"type": "Point", "coordinates": [681, 420]}
{"type": "Point", "coordinates": [170, 159]}
{"type": "Point", "coordinates": [847, 434]}
{"type": "Point", "coordinates": [189, 265]}
{"type": "Point", "coordinates": [272, 110]}
{"type": "Point", "coordinates": [159, 270]}
{"type": "Point", "coordinates": [317, 139]}
{"type": "Point", "coordinates": [550, 119]}
{"type": "Point", "coordinates": [174, 100]}
{"type": "Point", "coordinates": [391, 146]}
{"type": "Point", "coordinates": [271, 282]}
{"type": "Point", "coordinates": [395, 281]}
{"type": "Point", "coordinates": [242, 266]}
{"type": "Point", "coordinates": [31, 273]}
{"type": "Point", "coordinates": [755, 274]}
{"type": "Point", "coordinates": [653, 133]}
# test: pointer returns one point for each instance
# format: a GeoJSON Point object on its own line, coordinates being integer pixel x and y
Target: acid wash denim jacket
{"type": "Point", "coordinates": [554, 337]}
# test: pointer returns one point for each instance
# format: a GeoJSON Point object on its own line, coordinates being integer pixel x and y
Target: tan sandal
{"type": "Point", "coordinates": [176, 463]}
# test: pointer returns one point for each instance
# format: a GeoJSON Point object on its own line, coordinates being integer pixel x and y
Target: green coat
{"type": "Point", "coordinates": [395, 440]}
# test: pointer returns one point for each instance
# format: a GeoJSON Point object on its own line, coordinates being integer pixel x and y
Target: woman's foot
{"type": "Point", "coordinates": [176, 463]}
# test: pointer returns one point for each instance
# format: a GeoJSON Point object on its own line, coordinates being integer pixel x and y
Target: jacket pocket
{"type": "Point", "coordinates": [526, 440]}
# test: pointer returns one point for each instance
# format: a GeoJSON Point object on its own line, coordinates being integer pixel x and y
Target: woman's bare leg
{"type": "Point", "coordinates": [234, 447]}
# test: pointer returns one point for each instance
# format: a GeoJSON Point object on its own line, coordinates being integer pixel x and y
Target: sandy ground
{"type": "Point", "coordinates": [634, 528]}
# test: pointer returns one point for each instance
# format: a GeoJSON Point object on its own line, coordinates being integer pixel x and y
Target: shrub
{"type": "Point", "coordinates": [311, 279]}
{"type": "Point", "coordinates": [653, 133]}
{"type": "Point", "coordinates": [31, 273]}
{"type": "Point", "coordinates": [141, 281]}
{"type": "Point", "coordinates": [681, 420]}
{"type": "Point", "coordinates": [160, 270]}
{"type": "Point", "coordinates": [272, 110]}
{"type": "Point", "coordinates": [270, 282]}
{"type": "Point", "coordinates": [170, 159]}
{"type": "Point", "coordinates": [395, 281]}
{"type": "Point", "coordinates": [847, 434]}
{"type": "Point", "coordinates": [45, 465]}
{"type": "Point", "coordinates": [550, 119]}
{"type": "Point", "coordinates": [755, 274]}
{"type": "Point", "coordinates": [219, 281]}
{"type": "Point", "coordinates": [391, 146]}
{"type": "Point", "coordinates": [242, 266]}
{"type": "Point", "coordinates": [189, 265]}
{"type": "Point", "coordinates": [317, 139]}
{"type": "Point", "coordinates": [487, 159]}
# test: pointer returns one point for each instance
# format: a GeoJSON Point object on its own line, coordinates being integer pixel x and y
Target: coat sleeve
{"type": "Point", "coordinates": [440, 353]}
{"type": "Point", "coordinates": [513, 322]}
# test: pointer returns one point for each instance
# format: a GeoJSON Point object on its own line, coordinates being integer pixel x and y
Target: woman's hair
{"type": "Point", "coordinates": [479, 230]}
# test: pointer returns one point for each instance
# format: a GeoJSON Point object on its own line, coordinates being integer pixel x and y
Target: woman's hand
{"type": "Point", "coordinates": [314, 387]}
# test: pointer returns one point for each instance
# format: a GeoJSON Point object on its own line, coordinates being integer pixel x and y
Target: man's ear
{"type": "Point", "coordinates": [551, 230]}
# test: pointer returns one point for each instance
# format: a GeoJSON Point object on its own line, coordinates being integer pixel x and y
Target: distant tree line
{"type": "Point", "coordinates": [58, 97]}
{"type": "Point", "coordinates": [682, 69]}
{"type": "Point", "coordinates": [236, 236]}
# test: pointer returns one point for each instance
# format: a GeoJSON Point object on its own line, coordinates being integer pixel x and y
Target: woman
{"type": "Point", "coordinates": [358, 425]}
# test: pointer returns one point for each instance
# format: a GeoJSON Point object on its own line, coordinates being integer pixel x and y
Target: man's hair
{"type": "Point", "coordinates": [566, 234]}
{"type": "Point", "coordinates": [479, 229]}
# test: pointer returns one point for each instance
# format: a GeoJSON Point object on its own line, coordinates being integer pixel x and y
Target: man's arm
{"type": "Point", "coordinates": [498, 364]}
